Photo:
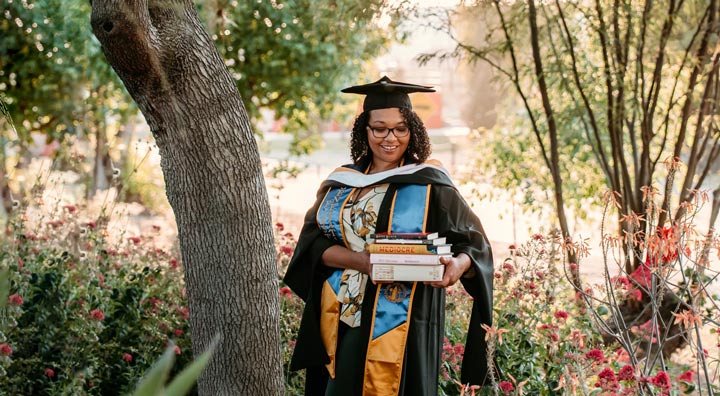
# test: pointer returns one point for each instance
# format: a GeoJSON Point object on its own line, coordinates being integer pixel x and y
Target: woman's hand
{"type": "Point", "coordinates": [455, 267]}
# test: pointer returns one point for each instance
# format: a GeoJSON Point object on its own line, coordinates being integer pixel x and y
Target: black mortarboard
{"type": "Point", "coordinates": [386, 93]}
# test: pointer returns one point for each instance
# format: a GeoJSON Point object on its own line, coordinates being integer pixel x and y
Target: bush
{"type": "Point", "coordinates": [86, 316]}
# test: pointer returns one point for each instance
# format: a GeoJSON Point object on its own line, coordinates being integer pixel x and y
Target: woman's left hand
{"type": "Point", "coordinates": [455, 267]}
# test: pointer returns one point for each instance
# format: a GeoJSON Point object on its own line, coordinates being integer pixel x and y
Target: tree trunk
{"type": "Point", "coordinates": [102, 169]}
{"type": "Point", "coordinates": [214, 184]}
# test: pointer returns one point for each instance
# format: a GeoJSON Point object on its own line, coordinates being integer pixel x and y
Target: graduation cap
{"type": "Point", "coordinates": [386, 93]}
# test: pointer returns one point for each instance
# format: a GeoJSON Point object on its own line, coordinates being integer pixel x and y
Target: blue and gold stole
{"type": "Point", "coordinates": [393, 302]}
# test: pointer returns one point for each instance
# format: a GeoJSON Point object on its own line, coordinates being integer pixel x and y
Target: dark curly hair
{"type": "Point", "coordinates": [418, 149]}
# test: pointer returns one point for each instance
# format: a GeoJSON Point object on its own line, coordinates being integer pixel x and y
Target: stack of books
{"type": "Point", "coordinates": [407, 256]}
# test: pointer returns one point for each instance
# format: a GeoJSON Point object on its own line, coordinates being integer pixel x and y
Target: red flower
{"type": "Point", "coordinates": [506, 387]}
{"type": "Point", "coordinates": [177, 350]}
{"type": "Point", "coordinates": [288, 235]}
{"type": "Point", "coordinates": [50, 372]}
{"type": "Point", "coordinates": [5, 350]}
{"type": "Point", "coordinates": [90, 224]}
{"type": "Point", "coordinates": [70, 208]}
{"type": "Point", "coordinates": [595, 355]}
{"type": "Point", "coordinates": [573, 267]}
{"type": "Point", "coordinates": [178, 332]}
{"type": "Point", "coordinates": [16, 300]}
{"type": "Point", "coordinates": [607, 380]}
{"type": "Point", "coordinates": [135, 240]}
{"type": "Point", "coordinates": [561, 315]}
{"type": "Point", "coordinates": [184, 312]}
{"type": "Point", "coordinates": [627, 373]}
{"type": "Point", "coordinates": [538, 237]}
{"type": "Point", "coordinates": [97, 314]}
{"type": "Point", "coordinates": [127, 357]}
{"type": "Point", "coordinates": [661, 380]}
{"type": "Point", "coordinates": [279, 226]}
{"type": "Point", "coordinates": [286, 250]}
{"type": "Point", "coordinates": [508, 267]}
{"type": "Point", "coordinates": [285, 291]}
{"type": "Point", "coordinates": [642, 275]}
{"type": "Point", "coordinates": [686, 376]}
{"type": "Point", "coordinates": [512, 247]}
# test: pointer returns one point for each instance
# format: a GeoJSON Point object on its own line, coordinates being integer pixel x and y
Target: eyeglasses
{"type": "Point", "coordinates": [382, 132]}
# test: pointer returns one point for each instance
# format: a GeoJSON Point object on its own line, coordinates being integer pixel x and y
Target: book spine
{"type": "Point", "coordinates": [399, 248]}
{"type": "Point", "coordinates": [438, 241]}
{"type": "Point", "coordinates": [414, 273]}
{"type": "Point", "coordinates": [421, 259]}
{"type": "Point", "coordinates": [400, 235]}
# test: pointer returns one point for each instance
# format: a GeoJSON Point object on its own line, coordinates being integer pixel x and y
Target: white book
{"type": "Point", "coordinates": [407, 273]}
{"type": "Point", "coordinates": [417, 259]}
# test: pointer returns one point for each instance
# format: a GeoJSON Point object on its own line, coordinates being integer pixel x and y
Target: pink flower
{"type": "Point", "coordinates": [506, 387]}
{"type": "Point", "coordinates": [636, 294]}
{"type": "Point", "coordinates": [573, 267]}
{"type": "Point", "coordinates": [686, 376]}
{"type": "Point", "coordinates": [97, 314]}
{"type": "Point", "coordinates": [595, 355]}
{"type": "Point", "coordinates": [184, 312]}
{"type": "Point", "coordinates": [661, 380]}
{"type": "Point", "coordinates": [50, 372]}
{"type": "Point", "coordinates": [127, 357]}
{"type": "Point", "coordinates": [627, 373]}
{"type": "Point", "coordinates": [621, 356]}
{"type": "Point", "coordinates": [561, 315]}
{"type": "Point", "coordinates": [5, 350]}
{"type": "Point", "coordinates": [623, 281]}
{"type": "Point", "coordinates": [16, 300]}
{"type": "Point", "coordinates": [607, 380]}
{"type": "Point", "coordinates": [174, 263]}
{"type": "Point", "coordinates": [178, 332]}
{"type": "Point", "coordinates": [177, 350]}
{"type": "Point", "coordinates": [507, 266]}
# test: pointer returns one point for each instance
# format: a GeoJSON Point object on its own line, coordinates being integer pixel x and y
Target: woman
{"type": "Point", "coordinates": [361, 338]}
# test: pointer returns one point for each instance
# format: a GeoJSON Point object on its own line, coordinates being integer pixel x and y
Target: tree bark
{"type": "Point", "coordinates": [214, 184]}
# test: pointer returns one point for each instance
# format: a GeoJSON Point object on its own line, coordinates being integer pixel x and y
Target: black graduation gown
{"type": "Point", "coordinates": [449, 215]}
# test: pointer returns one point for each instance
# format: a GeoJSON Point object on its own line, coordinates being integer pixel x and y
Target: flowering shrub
{"type": "Point", "coordinates": [86, 315]}
{"type": "Point", "coordinates": [291, 308]}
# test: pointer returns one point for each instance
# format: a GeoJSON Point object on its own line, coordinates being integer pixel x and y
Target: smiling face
{"type": "Point", "coordinates": [388, 151]}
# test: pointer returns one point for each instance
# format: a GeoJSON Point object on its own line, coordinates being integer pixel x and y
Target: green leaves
{"type": "Point", "coordinates": [293, 57]}
{"type": "Point", "coordinates": [153, 383]}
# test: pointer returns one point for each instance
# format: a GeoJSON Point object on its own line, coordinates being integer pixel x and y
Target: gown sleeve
{"type": "Point", "coordinates": [305, 276]}
{"type": "Point", "coordinates": [306, 260]}
{"type": "Point", "coordinates": [462, 228]}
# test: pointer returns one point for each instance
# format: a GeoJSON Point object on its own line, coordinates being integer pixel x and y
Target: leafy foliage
{"type": "Point", "coordinates": [52, 73]}
{"type": "Point", "coordinates": [88, 320]}
{"type": "Point", "coordinates": [293, 56]}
